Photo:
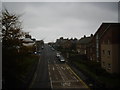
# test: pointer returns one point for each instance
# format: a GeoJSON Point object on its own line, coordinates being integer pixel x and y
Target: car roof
{"type": "Point", "coordinates": [61, 57]}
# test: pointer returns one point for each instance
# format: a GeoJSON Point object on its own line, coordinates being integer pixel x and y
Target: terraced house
{"type": "Point", "coordinates": [82, 45]}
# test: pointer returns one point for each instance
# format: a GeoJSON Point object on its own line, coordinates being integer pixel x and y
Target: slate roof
{"type": "Point", "coordinates": [28, 42]}
{"type": "Point", "coordinates": [85, 40]}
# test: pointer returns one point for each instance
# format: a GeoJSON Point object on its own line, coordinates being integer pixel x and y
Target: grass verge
{"type": "Point", "coordinates": [110, 80]}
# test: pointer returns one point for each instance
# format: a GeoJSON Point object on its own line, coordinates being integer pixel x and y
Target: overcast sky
{"type": "Point", "coordinates": [51, 20]}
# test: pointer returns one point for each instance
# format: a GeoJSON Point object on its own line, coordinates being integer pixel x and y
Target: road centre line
{"type": "Point", "coordinates": [51, 83]}
{"type": "Point", "coordinates": [50, 77]}
{"type": "Point", "coordinates": [49, 72]}
{"type": "Point", "coordinates": [53, 68]}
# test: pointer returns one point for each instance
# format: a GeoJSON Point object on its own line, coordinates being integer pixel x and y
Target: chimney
{"type": "Point", "coordinates": [84, 36]}
{"type": "Point", "coordinates": [91, 35]}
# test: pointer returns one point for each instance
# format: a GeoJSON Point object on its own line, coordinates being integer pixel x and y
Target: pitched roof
{"type": "Point", "coordinates": [85, 40]}
{"type": "Point", "coordinates": [103, 27]}
{"type": "Point", "coordinates": [27, 40]}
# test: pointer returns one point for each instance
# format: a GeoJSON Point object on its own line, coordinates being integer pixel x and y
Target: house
{"type": "Point", "coordinates": [105, 47]}
{"type": "Point", "coordinates": [39, 44]}
{"type": "Point", "coordinates": [110, 47]}
{"type": "Point", "coordinates": [92, 49]}
{"type": "Point", "coordinates": [95, 43]}
{"type": "Point", "coordinates": [63, 43]}
{"type": "Point", "coordinates": [29, 43]}
{"type": "Point", "coordinates": [89, 48]}
{"type": "Point", "coordinates": [83, 44]}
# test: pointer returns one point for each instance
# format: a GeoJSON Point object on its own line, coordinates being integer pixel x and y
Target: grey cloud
{"type": "Point", "coordinates": [52, 20]}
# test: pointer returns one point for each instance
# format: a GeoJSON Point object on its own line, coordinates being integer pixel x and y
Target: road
{"type": "Point", "coordinates": [53, 74]}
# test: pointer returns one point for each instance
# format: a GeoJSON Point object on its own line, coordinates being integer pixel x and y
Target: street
{"type": "Point", "coordinates": [41, 76]}
{"type": "Point", "coordinates": [53, 74]}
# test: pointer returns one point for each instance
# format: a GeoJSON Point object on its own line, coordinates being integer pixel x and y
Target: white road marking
{"type": "Point", "coordinates": [51, 83]}
{"type": "Point", "coordinates": [63, 68]}
{"type": "Point", "coordinates": [53, 68]}
{"type": "Point", "coordinates": [65, 81]}
{"type": "Point", "coordinates": [63, 76]}
{"type": "Point", "coordinates": [49, 72]}
{"type": "Point", "coordinates": [48, 67]}
{"type": "Point", "coordinates": [67, 67]}
{"type": "Point", "coordinates": [50, 77]}
{"type": "Point", "coordinates": [66, 84]}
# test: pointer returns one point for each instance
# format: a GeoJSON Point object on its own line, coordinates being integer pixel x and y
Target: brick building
{"type": "Point", "coordinates": [82, 45]}
{"type": "Point", "coordinates": [105, 47]}
{"type": "Point", "coordinates": [110, 48]}
{"type": "Point", "coordinates": [95, 43]}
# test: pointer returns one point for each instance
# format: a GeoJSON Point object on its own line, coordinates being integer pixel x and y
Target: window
{"type": "Point", "coordinates": [109, 53]}
{"type": "Point", "coordinates": [103, 51]}
{"type": "Point", "coordinates": [91, 58]}
{"type": "Point", "coordinates": [103, 64]}
{"type": "Point", "coordinates": [85, 52]}
{"type": "Point", "coordinates": [96, 36]}
{"type": "Point", "coordinates": [109, 66]}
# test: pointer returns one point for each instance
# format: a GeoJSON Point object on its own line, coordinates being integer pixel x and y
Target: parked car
{"type": "Point", "coordinates": [57, 54]}
{"type": "Point", "coordinates": [61, 58]}
{"type": "Point", "coordinates": [53, 49]}
{"type": "Point", "coordinates": [38, 52]}
{"type": "Point", "coordinates": [42, 47]}
{"type": "Point", "coordinates": [35, 52]}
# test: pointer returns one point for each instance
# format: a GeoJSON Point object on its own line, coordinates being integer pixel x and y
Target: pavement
{"type": "Point", "coordinates": [53, 74]}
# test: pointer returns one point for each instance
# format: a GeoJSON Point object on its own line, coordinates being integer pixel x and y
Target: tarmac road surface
{"type": "Point", "coordinates": [53, 74]}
